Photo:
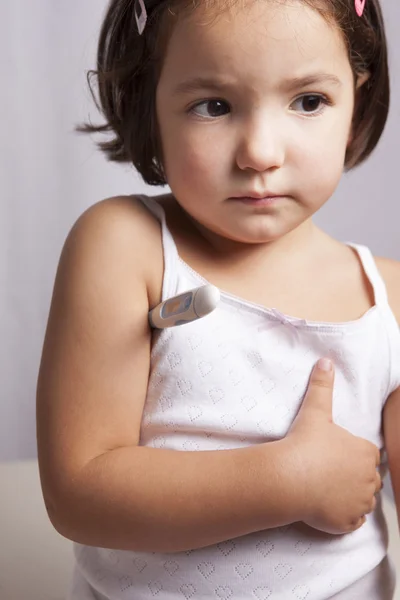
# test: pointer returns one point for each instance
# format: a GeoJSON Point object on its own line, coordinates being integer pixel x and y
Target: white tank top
{"type": "Point", "coordinates": [235, 378]}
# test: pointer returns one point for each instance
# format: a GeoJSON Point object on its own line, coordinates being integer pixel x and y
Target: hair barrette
{"type": "Point", "coordinates": [360, 5]}
{"type": "Point", "coordinates": [140, 15]}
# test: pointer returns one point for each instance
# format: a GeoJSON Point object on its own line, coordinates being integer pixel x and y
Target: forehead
{"type": "Point", "coordinates": [255, 40]}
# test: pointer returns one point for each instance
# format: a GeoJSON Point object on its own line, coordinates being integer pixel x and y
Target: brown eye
{"type": "Point", "coordinates": [311, 104]}
{"type": "Point", "coordinates": [211, 109]}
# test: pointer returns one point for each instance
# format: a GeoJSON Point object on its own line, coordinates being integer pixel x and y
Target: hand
{"type": "Point", "coordinates": [337, 471]}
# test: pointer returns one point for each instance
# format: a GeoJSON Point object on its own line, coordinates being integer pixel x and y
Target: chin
{"type": "Point", "coordinates": [269, 233]}
{"type": "Point", "coordinates": [253, 237]}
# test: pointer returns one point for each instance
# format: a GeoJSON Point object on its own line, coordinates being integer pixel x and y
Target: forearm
{"type": "Point", "coordinates": [159, 500]}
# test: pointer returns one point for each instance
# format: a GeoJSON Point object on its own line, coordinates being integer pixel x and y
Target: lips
{"type": "Point", "coordinates": [258, 196]}
{"type": "Point", "coordinates": [256, 200]}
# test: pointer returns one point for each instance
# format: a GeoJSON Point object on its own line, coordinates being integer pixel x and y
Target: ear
{"type": "Point", "coordinates": [361, 79]}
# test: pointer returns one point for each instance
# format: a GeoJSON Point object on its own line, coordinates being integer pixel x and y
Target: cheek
{"type": "Point", "coordinates": [324, 158]}
{"type": "Point", "coordinates": [191, 160]}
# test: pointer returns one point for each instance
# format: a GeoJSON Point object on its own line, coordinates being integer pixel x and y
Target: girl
{"type": "Point", "coordinates": [192, 463]}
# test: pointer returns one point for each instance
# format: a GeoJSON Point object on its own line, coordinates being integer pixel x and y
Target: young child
{"type": "Point", "coordinates": [202, 461]}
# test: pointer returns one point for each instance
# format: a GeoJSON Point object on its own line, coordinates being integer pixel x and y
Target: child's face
{"type": "Point", "coordinates": [255, 129]}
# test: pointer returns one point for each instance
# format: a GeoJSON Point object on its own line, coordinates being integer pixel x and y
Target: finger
{"type": "Point", "coordinates": [378, 457]}
{"type": "Point", "coordinates": [320, 387]}
{"type": "Point", "coordinates": [378, 483]}
{"type": "Point", "coordinates": [373, 506]}
{"type": "Point", "coordinates": [359, 523]}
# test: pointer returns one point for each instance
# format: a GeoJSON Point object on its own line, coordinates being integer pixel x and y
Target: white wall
{"type": "Point", "coordinates": [49, 175]}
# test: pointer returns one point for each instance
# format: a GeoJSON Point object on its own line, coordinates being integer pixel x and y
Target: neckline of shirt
{"type": "Point", "coordinates": [274, 314]}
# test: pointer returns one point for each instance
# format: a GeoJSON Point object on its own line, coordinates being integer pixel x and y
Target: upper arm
{"type": "Point", "coordinates": [96, 354]}
{"type": "Point", "coordinates": [391, 430]}
{"type": "Point", "coordinates": [390, 270]}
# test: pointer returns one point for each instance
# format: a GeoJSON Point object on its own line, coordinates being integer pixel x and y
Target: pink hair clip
{"type": "Point", "coordinates": [141, 15]}
{"type": "Point", "coordinates": [360, 5]}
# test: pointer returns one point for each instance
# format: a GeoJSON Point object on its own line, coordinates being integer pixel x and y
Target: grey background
{"type": "Point", "coordinates": [49, 175]}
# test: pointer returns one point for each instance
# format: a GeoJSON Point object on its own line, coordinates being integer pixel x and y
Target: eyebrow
{"type": "Point", "coordinates": [314, 79]}
{"type": "Point", "coordinates": [197, 84]}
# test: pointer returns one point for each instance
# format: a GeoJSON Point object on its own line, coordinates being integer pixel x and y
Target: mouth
{"type": "Point", "coordinates": [259, 196]}
{"type": "Point", "coordinates": [259, 200]}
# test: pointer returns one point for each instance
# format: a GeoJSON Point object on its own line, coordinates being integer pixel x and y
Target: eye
{"type": "Point", "coordinates": [312, 104]}
{"type": "Point", "coordinates": [211, 109]}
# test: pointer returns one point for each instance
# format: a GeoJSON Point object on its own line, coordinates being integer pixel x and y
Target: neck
{"type": "Point", "coordinates": [293, 247]}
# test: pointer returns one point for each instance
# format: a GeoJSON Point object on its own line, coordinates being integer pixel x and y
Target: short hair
{"type": "Point", "coordinates": [129, 67]}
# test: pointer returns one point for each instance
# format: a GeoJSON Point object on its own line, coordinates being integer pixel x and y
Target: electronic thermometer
{"type": "Point", "coordinates": [186, 307]}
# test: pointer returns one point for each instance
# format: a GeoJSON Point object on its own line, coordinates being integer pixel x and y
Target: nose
{"type": "Point", "coordinates": [261, 146]}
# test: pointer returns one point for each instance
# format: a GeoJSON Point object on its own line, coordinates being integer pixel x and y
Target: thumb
{"type": "Point", "coordinates": [320, 387]}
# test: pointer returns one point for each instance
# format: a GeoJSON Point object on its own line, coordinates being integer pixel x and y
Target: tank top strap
{"type": "Point", "coordinates": [389, 319]}
{"type": "Point", "coordinates": [170, 250]}
{"type": "Point", "coordinates": [372, 272]}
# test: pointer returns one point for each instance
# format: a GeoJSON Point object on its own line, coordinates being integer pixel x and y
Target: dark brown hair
{"type": "Point", "coordinates": [129, 65]}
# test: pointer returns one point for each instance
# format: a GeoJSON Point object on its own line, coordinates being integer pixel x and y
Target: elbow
{"type": "Point", "coordinates": [66, 527]}
{"type": "Point", "coordinates": [53, 513]}
{"type": "Point", "coordinates": [61, 517]}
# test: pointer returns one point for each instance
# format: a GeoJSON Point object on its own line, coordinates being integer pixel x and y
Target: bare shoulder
{"type": "Point", "coordinates": [390, 271]}
{"type": "Point", "coordinates": [121, 233]}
